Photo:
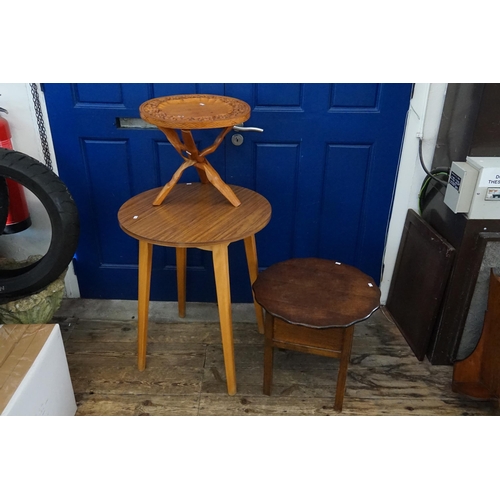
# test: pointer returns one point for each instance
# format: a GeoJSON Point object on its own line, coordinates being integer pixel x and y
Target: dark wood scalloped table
{"type": "Point", "coordinates": [312, 306]}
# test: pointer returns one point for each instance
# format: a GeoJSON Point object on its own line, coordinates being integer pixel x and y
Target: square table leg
{"type": "Point", "coordinates": [343, 365]}
{"type": "Point", "coordinates": [268, 353]}
{"type": "Point", "coordinates": [180, 257]}
{"type": "Point", "coordinates": [145, 259]}
{"type": "Point", "coordinates": [253, 270]}
{"type": "Point", "coordinates": [221, 269]}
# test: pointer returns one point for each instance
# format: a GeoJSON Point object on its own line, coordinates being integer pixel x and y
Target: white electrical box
{"type": "Point", "coordinates": [474, 188]}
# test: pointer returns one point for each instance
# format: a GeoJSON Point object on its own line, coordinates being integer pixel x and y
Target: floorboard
{"type": "Point", "coordinates": [185, 373]}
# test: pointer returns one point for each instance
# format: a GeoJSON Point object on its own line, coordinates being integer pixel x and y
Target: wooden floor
{"type": "Point", "coordinates": [185, 374]}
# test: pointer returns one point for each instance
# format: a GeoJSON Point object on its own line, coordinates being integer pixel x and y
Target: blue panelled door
{"type": "Point", "coordinates": [326, 161]}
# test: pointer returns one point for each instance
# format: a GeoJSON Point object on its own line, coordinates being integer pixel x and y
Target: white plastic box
{"type": "Point", "coordinates": [34, 374]}
{"type": "Point", "coordinates": [474, 188]}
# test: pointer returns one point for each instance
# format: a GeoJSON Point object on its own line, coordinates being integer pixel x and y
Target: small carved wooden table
{"type": "Point", "coordinates": [311, 306]}
{"type": "Point", "coordinates": [195, 216]}
{"type": "Point", "coordinates": [195, 111]}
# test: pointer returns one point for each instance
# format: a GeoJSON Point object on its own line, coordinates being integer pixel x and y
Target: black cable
{"type": "Point", "coordinates": [423, 164]}
{"type": "Point", "coordinates": [423, 189]}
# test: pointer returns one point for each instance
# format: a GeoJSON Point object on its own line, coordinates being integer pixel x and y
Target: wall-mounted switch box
{"type": "Point", "coordinates": [474, 188]}
{"type": "Point", "coordinates": [461, 184]}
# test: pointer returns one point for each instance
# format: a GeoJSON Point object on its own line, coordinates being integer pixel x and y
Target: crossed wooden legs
{"type": "Point", "coordinates": [197, 159]}
{"type": "Point", "coordinates": [221, 269]}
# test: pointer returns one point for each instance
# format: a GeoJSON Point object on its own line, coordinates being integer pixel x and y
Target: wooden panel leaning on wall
{"type": "Point", "coordinates": [478, 375]}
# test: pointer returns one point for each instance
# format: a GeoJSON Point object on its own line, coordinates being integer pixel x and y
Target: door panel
{"type": "Point", "coordinates": [326, 161]}
{"type": "Point", "coordinates": [330, 155]}
{"type": "Point", "coordinates": [340, 188]}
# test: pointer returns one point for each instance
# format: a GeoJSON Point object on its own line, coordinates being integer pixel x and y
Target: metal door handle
{"type": "Point", "coordinates": [240, 128]}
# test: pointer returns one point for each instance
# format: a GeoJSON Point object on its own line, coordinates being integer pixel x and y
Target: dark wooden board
{"type": "Point", "coordinates": [422, 269]}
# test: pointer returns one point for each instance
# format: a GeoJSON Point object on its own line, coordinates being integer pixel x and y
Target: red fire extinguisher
{"type": "Point", "coordinates": [18, 218]}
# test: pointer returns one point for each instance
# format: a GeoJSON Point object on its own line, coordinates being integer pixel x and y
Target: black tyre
{"type": "Point", "coordinates": [63, 215]}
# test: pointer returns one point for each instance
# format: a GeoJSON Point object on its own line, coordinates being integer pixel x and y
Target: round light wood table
{"type": "Point", "coordinates": [195, 216]}
{"type": "Point", "coordinates": [190, 112]}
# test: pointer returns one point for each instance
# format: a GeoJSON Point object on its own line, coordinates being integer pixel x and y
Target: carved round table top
{"type": "Point", "coordinates": [194, 111]}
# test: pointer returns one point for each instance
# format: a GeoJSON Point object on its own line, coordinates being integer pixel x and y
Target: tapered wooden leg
{"type": "Point", "coordinates": [145, 258]}
{"type": "Point", "coordinates": [344, 364]}
{"type": "Point", "coordinates": [187, 137]}
{"type": "Point", "coordinates": [253, 271]}
{"type": "Point", "coordinates": [268, 354]}
{"type": "Point", "coordinates": [221, 268]}
{"type": "Point", "coordinates": [216, 180]}
{"type": "Point", "coordinates": [171, 183]}
{"type": "Point", "coordinates": [180, 257]}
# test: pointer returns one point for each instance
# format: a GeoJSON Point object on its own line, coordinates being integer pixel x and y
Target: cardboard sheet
{"type": "Point", "coordinates": [19, 347]}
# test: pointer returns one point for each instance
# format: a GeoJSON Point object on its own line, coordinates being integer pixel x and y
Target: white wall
{"type": "Point", "coordinates": [423, 118]}
{"type": "Point", "coordinates": [17, 99]}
